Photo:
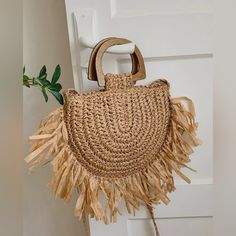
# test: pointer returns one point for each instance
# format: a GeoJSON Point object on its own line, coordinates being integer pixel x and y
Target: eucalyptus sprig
{"type": "Point", "coordinates": [45, 85]}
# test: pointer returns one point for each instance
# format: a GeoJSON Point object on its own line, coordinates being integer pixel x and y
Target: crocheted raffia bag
{"type": "Point", "coordinates": [124, 141]}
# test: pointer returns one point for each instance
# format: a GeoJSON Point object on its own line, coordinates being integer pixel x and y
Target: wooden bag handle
{"type": "Point", "coordinates": [138, 68]}
{"type": "Point", "coordinates": [136, 56]}
{"type": "Point", "coordinates": [92, 73]}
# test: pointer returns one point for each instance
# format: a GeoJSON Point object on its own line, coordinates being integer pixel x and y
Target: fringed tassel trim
{"type": "Point", "coordinates": [148, 187]}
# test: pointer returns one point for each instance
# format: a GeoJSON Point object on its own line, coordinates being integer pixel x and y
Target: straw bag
{"type": "Point", "coordinates": [123, 142]}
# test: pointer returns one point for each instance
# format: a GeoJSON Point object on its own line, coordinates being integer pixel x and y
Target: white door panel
{"type": "Point", "coordinates": [175, 39]}
{"type": "Point", "coordinates": [189, 36]}
{"type": "Point", "coordinates": [172, 226]}
{"type": "Point", "coordinates": [159, 7]}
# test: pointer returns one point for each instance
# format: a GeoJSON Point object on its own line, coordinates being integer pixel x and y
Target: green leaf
{"type": "Point", "coordinates": [25, 77]}
{"type": "Point", "coordinates": [43, 82]}
{"type": "Point", "coordinates": [58, 96]}
{"type": "Point", "coordinates": [45, 94]}
{"type": "Point", "coordinates": [45, 85]}
{"type": "Point", "coordinates": [43, 71]}
{"type": "Point", "coordinates": [44, 76]}
{"type": "Point", "coordinates": [56, 74]}
{"type": "Point", "coordinates": [26, 81]}
{"type": "Point", "coordinates": [55, 87]}
{"type": "Point", "coordinates": [26, 84]}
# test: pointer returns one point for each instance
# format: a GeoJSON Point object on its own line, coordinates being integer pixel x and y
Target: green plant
{"type": "Point", "coordinates": [45, 85]}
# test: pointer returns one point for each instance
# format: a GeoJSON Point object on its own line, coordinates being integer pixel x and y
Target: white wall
{"type": "Point", "coordinates": [45, 42]}
{"type": "Point", "coordinates": [11, 150]}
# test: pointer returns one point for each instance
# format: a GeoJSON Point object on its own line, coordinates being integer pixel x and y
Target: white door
{"type": "Point", "coordinates": [174, 37]}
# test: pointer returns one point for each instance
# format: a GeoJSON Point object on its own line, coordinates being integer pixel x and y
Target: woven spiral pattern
{"type": "Point", "coordinates": [117, 132]}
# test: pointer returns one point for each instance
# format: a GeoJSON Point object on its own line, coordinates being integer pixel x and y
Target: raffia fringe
{"type": "Point", "coordinates": [149, 187]}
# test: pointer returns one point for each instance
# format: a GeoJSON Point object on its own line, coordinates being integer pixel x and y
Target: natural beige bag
{"type": "Point", "coordinates": [124, 141]}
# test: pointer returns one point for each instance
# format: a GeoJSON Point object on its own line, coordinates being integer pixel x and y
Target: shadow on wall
{"type": "Point", "coordinates": [45, 43]}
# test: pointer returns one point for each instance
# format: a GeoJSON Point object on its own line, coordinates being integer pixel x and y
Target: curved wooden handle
{"type": "Point", "coordinates": [138, 67]}
{"type": "Point", "coordinates": [92, 74]}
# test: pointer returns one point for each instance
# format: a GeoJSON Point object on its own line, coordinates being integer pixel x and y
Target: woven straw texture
{"type": "Point", "coordinates": [123, 142]}
{"type": "Point", "coordinates": [118, 132]}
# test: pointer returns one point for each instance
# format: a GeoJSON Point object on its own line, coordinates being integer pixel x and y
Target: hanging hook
{"type": "Point", "coordinates": [127, 48]}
